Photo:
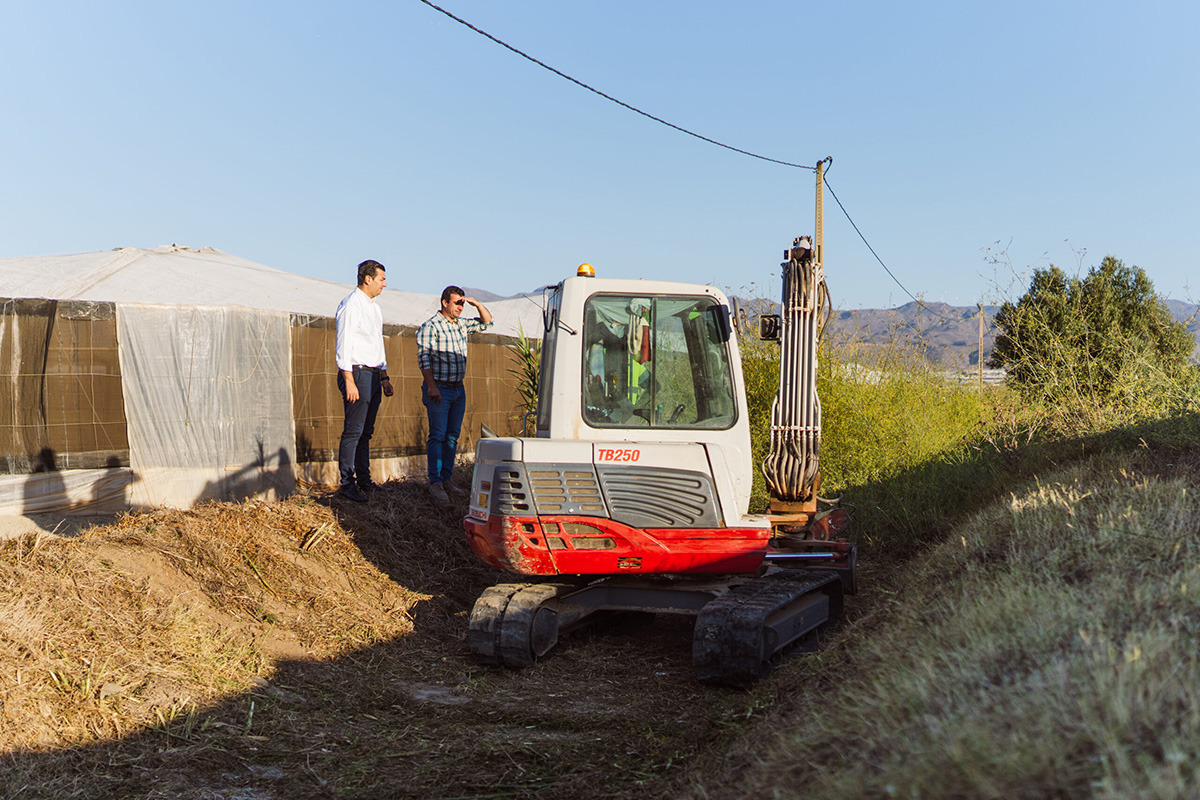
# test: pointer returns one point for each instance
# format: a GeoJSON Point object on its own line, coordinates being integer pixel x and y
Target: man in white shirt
{"type": "Point", "coordinates": [362, 377]}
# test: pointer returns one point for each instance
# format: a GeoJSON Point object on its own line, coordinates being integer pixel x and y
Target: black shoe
{"type": "Point", "coordinates": [352, 492]}
{"type": "Point", "coordinates": [372, 486]}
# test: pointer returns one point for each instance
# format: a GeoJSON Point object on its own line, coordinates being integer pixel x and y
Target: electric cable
{"type": "Point", "coordinates": [661, 121]}
{"type": "Point", "coordinates": [918, 301]}
{"type": "Point", "coordinates": [623, 104]}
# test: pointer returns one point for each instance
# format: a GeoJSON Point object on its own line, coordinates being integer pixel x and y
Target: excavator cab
{"type": "Point", "coordinates": [641, 413]}
{"type": "Point", "coordinates": [632, 362]}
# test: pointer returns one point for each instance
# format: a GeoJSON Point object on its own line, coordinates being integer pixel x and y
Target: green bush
{"type": "Point", "coordinates": [760, 372]}
{"type": "Point", "coordinates": [1094, 346]}
{"type": "Point", "coordinates": [526, 356]}
{"type": "Point", "coordinates": [880, 415]}
{"type": "Point", "coordinates": [886, 415]}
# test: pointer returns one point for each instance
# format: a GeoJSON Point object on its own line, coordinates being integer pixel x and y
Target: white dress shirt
{"type": "Point", "coordinates": [359, 332]}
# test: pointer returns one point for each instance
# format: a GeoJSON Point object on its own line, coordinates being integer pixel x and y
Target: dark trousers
{"type": "Point", "coordinates": [354, 453]}
{"type": "Point", "coordinates": [445, 423]}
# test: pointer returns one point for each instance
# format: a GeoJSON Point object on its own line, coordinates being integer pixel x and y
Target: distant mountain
{"type": "Point", "coordinates": [947, 335]}
{"type": "Point", "coordinates": [484, 296]}
{"type": "Point", "coordinates": [1189, 313]}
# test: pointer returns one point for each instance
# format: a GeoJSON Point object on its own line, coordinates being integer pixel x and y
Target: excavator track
{"type": "Point", "coordinates": [737, 633]}
{"type": "Point", "coordinates": [511, 623]}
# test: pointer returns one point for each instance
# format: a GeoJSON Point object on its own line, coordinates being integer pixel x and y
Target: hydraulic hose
{"type": "Point", "coordinates": [792, 464]}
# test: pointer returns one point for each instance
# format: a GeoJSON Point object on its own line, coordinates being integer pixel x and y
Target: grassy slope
{"type": "Point", "coordinates": [1046, 647]}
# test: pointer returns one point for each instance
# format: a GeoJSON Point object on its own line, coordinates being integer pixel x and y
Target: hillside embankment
{"type": "Point", "coordinates": [1046, 647]}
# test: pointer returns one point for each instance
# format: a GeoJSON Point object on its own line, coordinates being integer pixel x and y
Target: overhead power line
{"type": "Point", "coordinates": [673, 126]}
{"type": "Point", "coordinates": [919, 302]}
{"type": "Point", "coordinates": [594, 90]}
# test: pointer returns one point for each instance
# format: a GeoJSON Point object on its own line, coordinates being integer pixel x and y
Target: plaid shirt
{"type": "Point", "coordinates": [442, 346]}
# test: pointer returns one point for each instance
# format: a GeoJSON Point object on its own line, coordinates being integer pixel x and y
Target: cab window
{"type": "Point", "coordinates": [546, 364]}
{"type": "Point", "coordinates": [657, 362]}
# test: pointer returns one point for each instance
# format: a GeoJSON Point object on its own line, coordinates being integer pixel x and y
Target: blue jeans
{"type": "Point", "coordinates": [354, 452]}
{"type": "Point", "coordinates": [445, 423]}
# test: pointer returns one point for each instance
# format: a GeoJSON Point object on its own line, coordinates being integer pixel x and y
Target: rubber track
{"type": "Point", "coordinates": [516, 645]}
{"type": "Point", "coordinates": [728, 641]}
{"type": "Point", "coordinates": [486, 616]}
{"type": "Point", "coordinates": [501, 624]}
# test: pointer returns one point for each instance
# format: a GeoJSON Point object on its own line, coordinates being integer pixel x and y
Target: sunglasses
{"type": "Point", "coordinates": [460, 302]}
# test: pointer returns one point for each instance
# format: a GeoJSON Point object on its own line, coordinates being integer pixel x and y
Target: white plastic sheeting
{"type": "Point", "coordinates": [207, 276]}
{"type": "Point", "coordinates": [205, 386]}
{"type": "Point", "coordinates": [208, 400]}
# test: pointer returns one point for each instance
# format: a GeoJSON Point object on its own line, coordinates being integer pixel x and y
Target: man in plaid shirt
{"type": "Point", "coordinates": [442, 359]}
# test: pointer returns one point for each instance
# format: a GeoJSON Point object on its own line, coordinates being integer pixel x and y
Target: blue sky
{"type": "Point", "coordinates": [308, 136]}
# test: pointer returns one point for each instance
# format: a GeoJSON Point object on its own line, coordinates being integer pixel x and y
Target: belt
{"type": "Point", "coordinates": [451, 384]}
{"type": "Point", "coordinates": [364, 366]}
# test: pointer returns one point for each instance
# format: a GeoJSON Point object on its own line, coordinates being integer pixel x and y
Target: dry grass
{"type": "Point", "coordinates": [131, 626]}
{"type": "Point", "coordinates": [311, 648]}
{"type": "Point", "coordinates": [1047, 649]}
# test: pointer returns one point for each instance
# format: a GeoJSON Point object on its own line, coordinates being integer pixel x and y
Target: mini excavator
{"type": "Point", "coordinates": [633, 495]}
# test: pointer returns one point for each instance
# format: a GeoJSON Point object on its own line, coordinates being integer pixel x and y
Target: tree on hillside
{"type": "Point", "coordinates": [1101, 338]}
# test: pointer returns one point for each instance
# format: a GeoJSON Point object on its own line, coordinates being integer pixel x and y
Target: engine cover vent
{"type": "Point", "coordinates": [653, 497]}
{"type": "Point", "coordinates": [565, 489]}
{"type": "Point", "coordinates": [510, 491]}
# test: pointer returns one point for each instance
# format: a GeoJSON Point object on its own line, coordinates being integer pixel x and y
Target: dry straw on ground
{"type": "Point", "coordinates": [313, 648]}
{"type": "Point", "coordinates": [177, 608]}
